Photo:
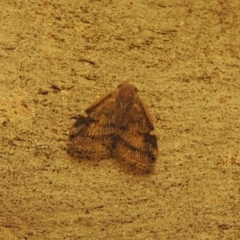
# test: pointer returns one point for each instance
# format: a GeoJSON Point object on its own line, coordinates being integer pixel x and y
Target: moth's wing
{"type": "Point", "coordinates": [136, 137]}
{"type": "Point", "coordinates": [96, 125]}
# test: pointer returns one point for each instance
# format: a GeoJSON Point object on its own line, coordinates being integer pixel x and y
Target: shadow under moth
{"type": "Point", "coordinates": [120, 121]}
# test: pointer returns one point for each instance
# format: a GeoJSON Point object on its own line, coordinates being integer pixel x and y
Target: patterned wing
{"type": "Point", "coordinates": [96, 125]}
{"type": "Point", "coordinates": [134, 133]}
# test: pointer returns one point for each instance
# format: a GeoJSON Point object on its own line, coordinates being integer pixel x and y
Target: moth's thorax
{"type": "Point", "coordinates": [126, 93]}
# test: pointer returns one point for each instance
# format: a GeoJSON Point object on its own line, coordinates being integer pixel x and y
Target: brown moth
{"type": "Point", "coordinates": [121, 121]}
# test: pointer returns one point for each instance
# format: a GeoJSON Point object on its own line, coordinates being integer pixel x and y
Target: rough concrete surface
{"type": "Point", "coordinates": [57, 57]}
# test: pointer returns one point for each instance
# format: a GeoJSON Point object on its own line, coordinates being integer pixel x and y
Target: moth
{"type": "Point", "coordinates": [121, 121]}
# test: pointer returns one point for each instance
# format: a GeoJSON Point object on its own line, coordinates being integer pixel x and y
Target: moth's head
{"type": "Point", "coordinates": [126, 92]}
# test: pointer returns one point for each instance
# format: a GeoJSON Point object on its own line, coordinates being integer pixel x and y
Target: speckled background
{"type": "Point", "coordinates": [59, 56]}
